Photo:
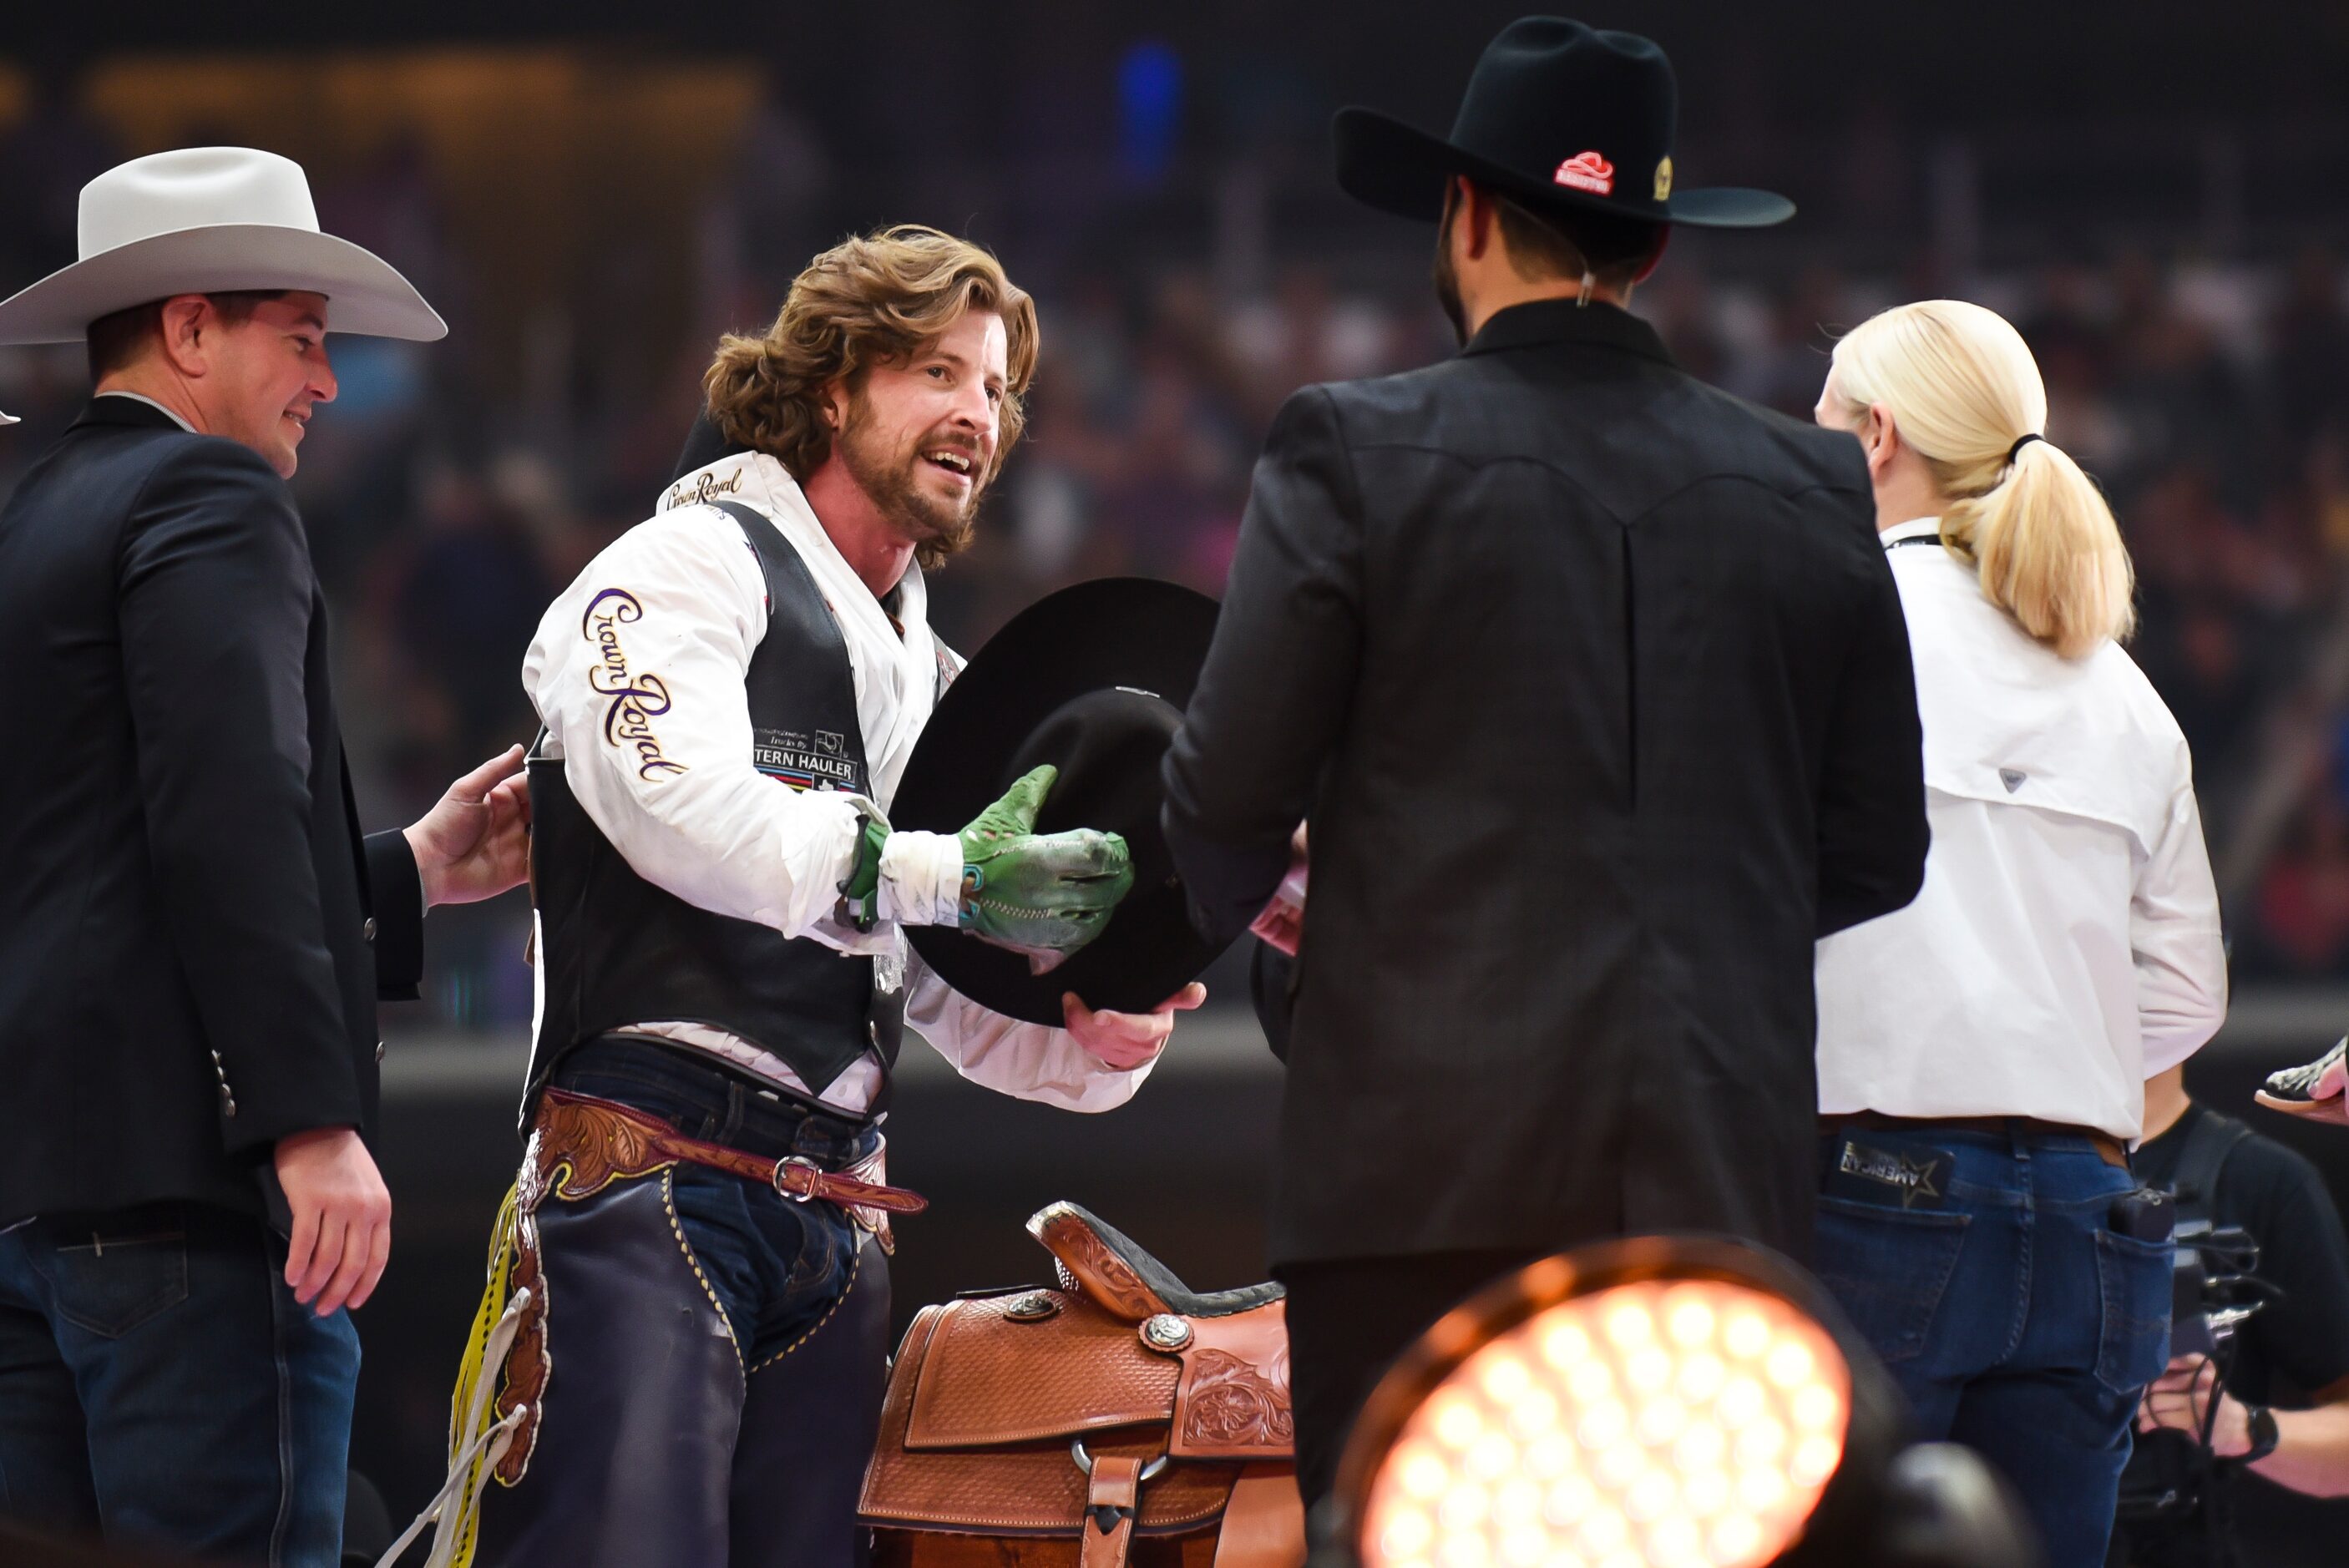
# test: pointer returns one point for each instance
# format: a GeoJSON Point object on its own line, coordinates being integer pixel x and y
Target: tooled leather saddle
{"type": "Point", "coordinates": [1122, 1418]}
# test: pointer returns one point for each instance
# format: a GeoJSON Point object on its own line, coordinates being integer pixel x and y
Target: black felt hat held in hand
{"type": "Point", "coordinates": [1557, 116]}
{"type": "Point", "coordinates": [1093, 680]}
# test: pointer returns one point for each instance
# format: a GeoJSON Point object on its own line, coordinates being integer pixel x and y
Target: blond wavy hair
{"type": "Point", "coordinates": [1962, 389]}
{"type": "Point", "coordinates": [877, 299]}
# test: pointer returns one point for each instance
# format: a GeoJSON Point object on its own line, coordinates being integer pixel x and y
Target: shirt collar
{"type": "Point", "coordinates": [141, 398]}
{"type": "Point", "coordinates": [761, 481]}
{"type": "Point", "coordinates": [1915, 527]}
{"type": "Point", "coordinates": [1548, 321]}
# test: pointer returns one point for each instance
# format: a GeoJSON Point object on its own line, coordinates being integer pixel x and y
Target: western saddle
{"type": "Point", "coordinates": [1121, 1419]}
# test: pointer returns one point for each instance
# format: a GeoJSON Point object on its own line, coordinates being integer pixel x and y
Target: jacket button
{"type": "Point", "coordinates": [228, 1101]}
{"type": "Point", "coordinates": [378, 1053]}
{"type": "Point", "coordinates": [368, 931]}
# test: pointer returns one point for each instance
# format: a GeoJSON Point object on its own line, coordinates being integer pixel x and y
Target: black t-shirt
{"type": "Point", "coordinates": [2296, 1346]}
{"type": "Point", "coordinates": [2293, 1348]}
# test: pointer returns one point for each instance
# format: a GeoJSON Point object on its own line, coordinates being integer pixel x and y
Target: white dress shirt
{"type": "Point", "coordinates": [702, 823]}
{"type": "Point", "coordinates": [2065, 946]}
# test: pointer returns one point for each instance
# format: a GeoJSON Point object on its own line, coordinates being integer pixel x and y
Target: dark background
{"type": "Point", "coordinates": [591, 192]}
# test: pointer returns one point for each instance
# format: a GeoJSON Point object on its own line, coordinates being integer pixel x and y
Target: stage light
{"type": "Point", "coordinates": [1651, 1403]}
{"type": "Point", "coordinates": [1678, 1500]}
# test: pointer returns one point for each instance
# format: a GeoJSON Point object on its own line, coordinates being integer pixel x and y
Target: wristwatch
{"type": "Point", "coordinates": [2264, 1434]}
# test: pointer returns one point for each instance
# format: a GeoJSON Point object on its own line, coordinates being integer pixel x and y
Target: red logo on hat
{"type": "Point", "coordinates": [1588, 172]}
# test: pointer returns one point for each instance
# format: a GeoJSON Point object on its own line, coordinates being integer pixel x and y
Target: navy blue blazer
{"type": "Point", "coordinates": [193, 932]}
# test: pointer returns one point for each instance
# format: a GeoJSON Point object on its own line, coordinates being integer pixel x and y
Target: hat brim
{"type": "Point", "coordinates": [1400, 168]}
{"type": "Point", "coordinates": [1129, 632]}
{"type": "Point", "coordinates": [364, 294]}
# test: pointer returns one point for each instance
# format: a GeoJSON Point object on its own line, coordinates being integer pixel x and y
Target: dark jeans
{"type": "Point", "coordinates": [1349, 1318]}
{"type": "Point", "coordinates": [160, 1384]}
{"type": "Point", "coordinates": [2012, 1314]}
{"type": "Point", "coordinates": [717, 1350]}
{"type": "Point", "coordinates": [776, 1265]}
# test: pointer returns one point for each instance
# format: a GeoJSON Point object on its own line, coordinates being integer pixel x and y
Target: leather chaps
{"type": "Point", "coordinates": [639, 1434]}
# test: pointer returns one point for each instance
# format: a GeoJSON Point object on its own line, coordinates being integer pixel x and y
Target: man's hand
{"type": "Point", "coordinates": [342, 1218]}
{"type": "Point", "coordinates": [2313, 1092]}
{"type": "Point", "coordinates": [1126, 1040]}
{"type": "Point", "coordinates": [1281, 924]}
{"type": "Point", "coordinates": [475, 843]}
{"type": "Point", "coordinates": [2179, 1399]}
{"type": "Point", "coordinates": [1044, 896]}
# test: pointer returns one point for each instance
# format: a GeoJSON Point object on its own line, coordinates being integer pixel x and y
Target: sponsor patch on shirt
{"type": "Point", "coordinates": [1873, 1175]}
{"type": "Point", "coordinates": [814, 760]}
{"type": "Point", "coordinates": [699, 488]}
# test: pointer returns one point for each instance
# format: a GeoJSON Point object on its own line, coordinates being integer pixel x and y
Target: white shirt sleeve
{"type": "Point", "coordinates": [2174, 935]}
{"type": "Point", "coordinates": [638, 673]}
{"type": "Point", "coordinates": [1024, 1060]}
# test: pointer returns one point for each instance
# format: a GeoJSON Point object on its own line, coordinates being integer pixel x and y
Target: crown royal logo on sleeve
{"type": "Point", "coordinates": [637, 697]}
{"type": "Point", "coordinates": [1664, 179]}
{"type": "Point", "coordinates": [1588, 172]}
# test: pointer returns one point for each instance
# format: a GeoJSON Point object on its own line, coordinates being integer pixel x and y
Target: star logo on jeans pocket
{"type": "Point", "coordinates": [1917, 1180]}
{"type": "Point", "coordinates": [1913, 1179]}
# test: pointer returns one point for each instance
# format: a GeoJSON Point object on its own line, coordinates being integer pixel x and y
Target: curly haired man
{"type": "Point", "coordinates": [681, 1354]}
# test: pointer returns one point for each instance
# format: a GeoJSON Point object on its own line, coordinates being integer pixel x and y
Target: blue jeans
{"type": "Point", "coordinates": [1986, 1272]}
{"type": "Point", "coordinates": [160, 1384]}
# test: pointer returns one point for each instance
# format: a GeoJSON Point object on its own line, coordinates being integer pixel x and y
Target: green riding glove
{"type": "Point", "coordinates": [1046, 894]}
{"type": "Point", "coordinates": [1042, 894]}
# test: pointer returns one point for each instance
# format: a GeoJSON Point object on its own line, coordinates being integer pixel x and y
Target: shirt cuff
{"type": "Point", "coordinates": [921, 879]}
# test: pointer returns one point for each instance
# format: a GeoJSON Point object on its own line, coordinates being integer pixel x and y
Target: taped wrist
{"type": "Point", "coordinates": [921, 879]}
{"type": "Point", "coordinates": [860, 889]}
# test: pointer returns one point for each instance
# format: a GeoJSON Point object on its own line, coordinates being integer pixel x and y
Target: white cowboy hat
{"type": "Point", "coordinates": [205, 219]}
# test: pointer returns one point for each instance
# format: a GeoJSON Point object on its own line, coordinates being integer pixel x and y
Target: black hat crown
{"type": "Point", "coordinates": [1558, 115]}
{"type": "Point", "coordinates": [1093, 680]}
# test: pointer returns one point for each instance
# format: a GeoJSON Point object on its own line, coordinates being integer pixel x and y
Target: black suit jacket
{"type": "Point", "coordinates": [1594, 682]}
{"type": "Point", "coordinates": [193, 934]}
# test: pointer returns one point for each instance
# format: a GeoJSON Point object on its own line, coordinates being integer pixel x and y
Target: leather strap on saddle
{"type": "Point", "coordinates": [1112, 1498]}
{"type": "Point", "coordinates": [599, 1138]}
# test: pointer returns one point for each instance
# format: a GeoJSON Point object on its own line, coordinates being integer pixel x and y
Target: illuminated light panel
{"type": "Point", "coordinates": [1661, 1424]}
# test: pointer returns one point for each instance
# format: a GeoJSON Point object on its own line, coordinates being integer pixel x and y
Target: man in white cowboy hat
{"type": "Point", "coordinates": [193, 933]}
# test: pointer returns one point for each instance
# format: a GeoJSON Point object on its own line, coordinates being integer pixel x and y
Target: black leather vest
{"type": "Point", "coordinates": [615, 950]}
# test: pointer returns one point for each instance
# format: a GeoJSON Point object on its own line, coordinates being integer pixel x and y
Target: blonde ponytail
{"type": "Point", "coordinates": [1963, 391]}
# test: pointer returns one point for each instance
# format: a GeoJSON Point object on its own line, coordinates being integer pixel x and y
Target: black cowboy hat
{"type": "Point", "coordinates": [1556, 117]}
{"type": "Point", "coordinates": [1093, 680]}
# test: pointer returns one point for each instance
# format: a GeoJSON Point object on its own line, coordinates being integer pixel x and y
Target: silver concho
{"type": "Point", "coordinates": [1165, 1332]}
{"type": "Point", "coordinates": [1033, 1307]}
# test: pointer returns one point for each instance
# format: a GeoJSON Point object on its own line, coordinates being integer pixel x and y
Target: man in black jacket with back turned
{"type": "Point", "coordinates": [1596, 688]}
{"type": "Point", "coordinates": [192, 932]}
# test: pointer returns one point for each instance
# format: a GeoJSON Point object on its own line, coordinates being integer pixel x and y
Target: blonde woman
{"type": "Point", "coordinates": [1982, 1053]}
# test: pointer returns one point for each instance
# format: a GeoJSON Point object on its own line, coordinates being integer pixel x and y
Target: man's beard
{"type": "Point", "coordinates": [891, 483]}
{"type": "Point", "coordinates": [1447, 282]}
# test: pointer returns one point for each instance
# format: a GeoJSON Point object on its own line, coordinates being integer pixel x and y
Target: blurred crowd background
{"type": "Point", "coordinates": [590, 193]}
{"type": "Point", "coordinates": [593, 215]}
{"type": "Point", "coordinates": [589, 216]}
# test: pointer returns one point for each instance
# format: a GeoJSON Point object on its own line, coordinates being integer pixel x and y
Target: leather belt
{"type": "Point", "coordinates": [2107, 1147]}
{"type": "Point", "coordinates": [795, 1176]}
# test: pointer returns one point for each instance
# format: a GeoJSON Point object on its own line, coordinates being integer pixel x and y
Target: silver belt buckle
{"type": "Point", "coordinates": [799, 1159]}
